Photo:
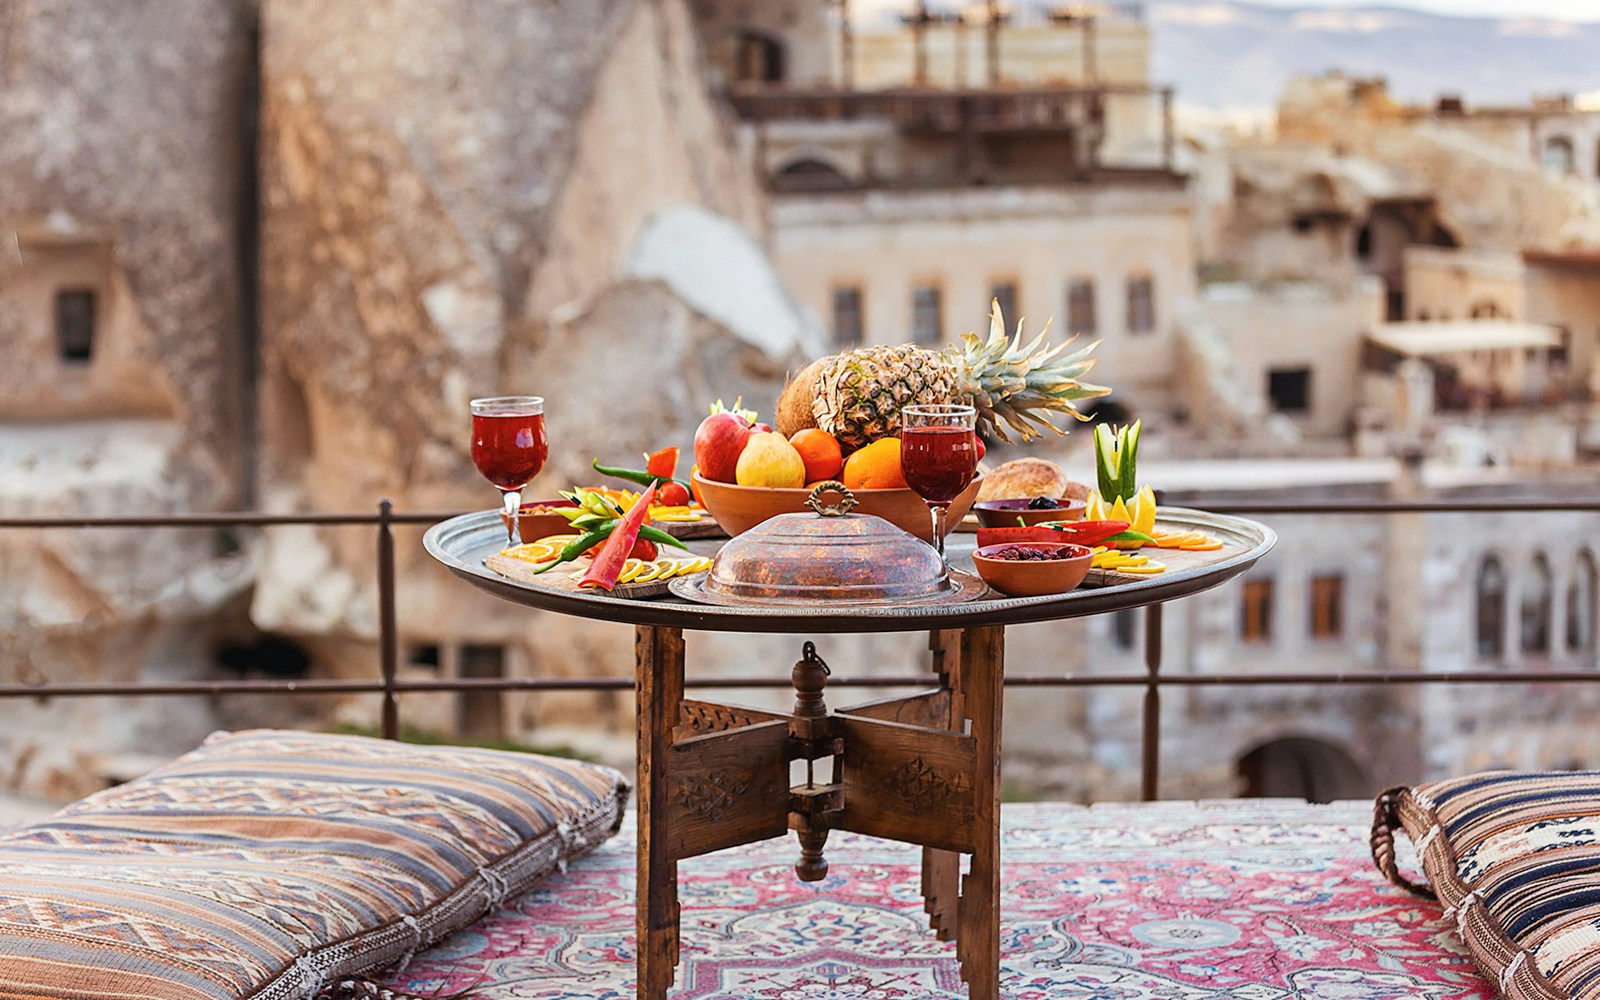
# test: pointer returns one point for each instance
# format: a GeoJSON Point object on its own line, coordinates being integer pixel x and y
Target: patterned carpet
{"type": "Point", "coordinates": [1232, 900]}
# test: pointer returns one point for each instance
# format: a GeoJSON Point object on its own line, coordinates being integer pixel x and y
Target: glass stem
{"type": "Point", "coordinates": [939, 512]}
{"type": "Point", "coordinates": [513, 499]}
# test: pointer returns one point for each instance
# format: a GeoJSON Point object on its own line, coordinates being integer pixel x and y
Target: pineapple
{"type": "Point", "coordinates": [857, 396]}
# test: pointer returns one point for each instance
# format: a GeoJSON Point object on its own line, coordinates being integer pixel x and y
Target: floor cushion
{"type": "Point", "coordinates": [1515, 858]}
{"type": "Point", "coordinates": [266, 863]}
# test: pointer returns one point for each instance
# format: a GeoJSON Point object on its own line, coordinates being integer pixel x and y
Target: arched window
{"type": "Point", "coordinates": [1487, 309]}
{"type": "Point", "coordinates": [1491, 612]}
{"type": "Point", "coordinates": [1538, 600]}
{"type": "Point", "coordinates": [1558, 154]}
{"type": "Point", "coordinates": [1580, 604]}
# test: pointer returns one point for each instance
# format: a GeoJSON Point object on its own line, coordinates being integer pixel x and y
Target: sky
{"type": "Point", "coordinates": [1565, 10]}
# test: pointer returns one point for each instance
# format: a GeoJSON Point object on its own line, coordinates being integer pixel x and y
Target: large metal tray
{"type": "Point", "coordinates": [462, 543]}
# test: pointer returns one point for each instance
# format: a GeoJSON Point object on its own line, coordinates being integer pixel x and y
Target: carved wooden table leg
{"type": "Point", "coordinates": [658, 659]}
{"type": "Point", "coordinates": [941, 869]}
{"type": "Point", "coordinates": [982, 655]}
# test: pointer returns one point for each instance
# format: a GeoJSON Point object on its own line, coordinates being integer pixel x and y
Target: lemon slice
{"type": "Point", "coordinates": [648, 572]}
{"type": "Point", "coordinates": [630, 569]}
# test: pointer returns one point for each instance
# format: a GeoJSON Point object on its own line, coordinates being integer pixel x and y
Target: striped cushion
{"type": "Point", "coordinates": [1515, 858]}
{"type": "Point", "coordinates": [265, 862]}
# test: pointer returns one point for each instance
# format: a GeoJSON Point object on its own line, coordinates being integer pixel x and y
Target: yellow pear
{"type": "Point", "coordinates": [768, 459]}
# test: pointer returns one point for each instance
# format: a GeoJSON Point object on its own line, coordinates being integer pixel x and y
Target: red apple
{"type": "Point", "coordinates": [717, 444]}
{"type": "Point", "coordinates": [762, 428]}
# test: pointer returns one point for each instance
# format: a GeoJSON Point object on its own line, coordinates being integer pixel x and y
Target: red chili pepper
{"type": "Point", "coordinates": [663, 463]}
{"type": "Point", "coordinates": [1085, 532]}
{"type": "Point", "coordinates": [607, 565]}
{"type": "Point", "coordinates": [1009, 536]}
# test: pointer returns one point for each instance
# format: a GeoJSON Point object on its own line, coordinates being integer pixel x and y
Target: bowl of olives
{"type": "Point", "coordinates": [1030, 510]}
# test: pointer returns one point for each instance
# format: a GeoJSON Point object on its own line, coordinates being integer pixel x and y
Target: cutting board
{"type": "Point", "coordinates": [564, 578]}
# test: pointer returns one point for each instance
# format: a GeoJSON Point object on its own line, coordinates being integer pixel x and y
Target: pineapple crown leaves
{"type": "Point", "coordinates": [1020, 384]}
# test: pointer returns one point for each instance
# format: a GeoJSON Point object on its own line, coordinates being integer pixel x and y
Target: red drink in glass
{"type": "Point", "coordinates": [938, 462]}
{"type": "Point", "coordinates": [509, 448]}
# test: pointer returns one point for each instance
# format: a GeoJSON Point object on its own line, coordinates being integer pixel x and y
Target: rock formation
{"type": "Point", "coordinates": [470, 199]}
{"type": "Point", "coordinates": [125, 355]}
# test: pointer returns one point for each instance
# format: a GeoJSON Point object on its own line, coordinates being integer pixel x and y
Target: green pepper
{"type": "Point", "coordinates": [639, 476]}
{"type": "Point", "coordinates": [582, 544]}
{"type": "Point", "coordinates": [660, 537]}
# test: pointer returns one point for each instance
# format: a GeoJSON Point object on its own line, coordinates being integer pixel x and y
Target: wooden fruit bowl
{"type": "Point", "coordinates": [740, 508]}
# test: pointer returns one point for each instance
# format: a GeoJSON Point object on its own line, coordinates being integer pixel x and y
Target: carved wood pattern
{"type": "Point", "coordinates": [706, 717]}
{"type": "Point", "coordinates": [925, 787]}
{"type": "Point", "coordinates": [710, 796]}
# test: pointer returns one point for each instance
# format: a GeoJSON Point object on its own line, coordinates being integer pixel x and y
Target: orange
{"type": "Point", "coordinates": [820, 451]}
{"type": "Point", "coordinates": [875, 467]}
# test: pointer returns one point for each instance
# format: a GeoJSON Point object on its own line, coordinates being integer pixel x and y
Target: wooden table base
{"type": "Point", "coordinates": [923, 769]}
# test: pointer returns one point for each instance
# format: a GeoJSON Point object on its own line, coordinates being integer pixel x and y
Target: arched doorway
{"type": "Point", "coordinates": [811, 174]}
{"type": "Point", "coordinates": [1107, 412]}
{"type": "Point", "coordinates": [1302, 768]}
{"type": "Point", "coordinates": [1558, 155]}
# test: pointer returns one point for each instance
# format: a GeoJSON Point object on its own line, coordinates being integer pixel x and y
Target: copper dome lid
{"type": "Point", "coordinates": [830, 556]}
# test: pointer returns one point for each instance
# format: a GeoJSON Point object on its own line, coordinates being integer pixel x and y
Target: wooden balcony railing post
{"type": "Point", "coordinates": [1150, 757]}
{"type": "Point", "coordinates": [388, 641]}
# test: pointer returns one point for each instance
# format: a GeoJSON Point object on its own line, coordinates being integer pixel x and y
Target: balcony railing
{"type": "Point", "coordinates": [390, 685]}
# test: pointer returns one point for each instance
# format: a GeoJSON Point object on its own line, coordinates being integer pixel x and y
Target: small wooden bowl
{"type": "Point", "coordinates": [1004, 513]}
{"type": "Point", "coordinates": [1033, 578]}
{"type": "Point", "coordinates": [740, 508]}
{"type": "Point", "coordinates": [535, 523]}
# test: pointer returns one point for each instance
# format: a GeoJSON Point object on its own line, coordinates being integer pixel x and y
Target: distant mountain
{"type": "Point", "coordinates": [1227, 55]}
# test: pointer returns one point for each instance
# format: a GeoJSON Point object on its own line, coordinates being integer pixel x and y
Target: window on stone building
{"type": "Point", "coordinates": [1487, 309]}
{"type": "Point", "coordinates": [1289, 389]}
{"type": "Point", "coordinates": [1327, 606]}
{"type": "Point", "coordinates": [1538, 601]}
{"type": "Point", "coordinates": [1080, 306]}
{"type": "Point", "coordinates": [1560, 355]}
{"type": "Point", "coordinates": [75, 324]}
{"type": "Point", "coordinates": [1581, 604]}
{"type": "Point", "coordinates": [1141, 304]}
{"type": "Point", "coordinates": [424, 656]}
{"type": "Point", "coordinates": [1558, 155]}
{"type": "Point", "coordinates": [1124, 628]}
{"type": "Point", "coordinates": [1255, 624]}
{"type": "Point", "coordinates": [1491, 608]}
{"type": "Point", "coordinates": [1364, 242]}
{"type": "Point", "coordinates": [480, 715]}
{"type": "Point", "coordinates": [847, 315]}
{"type": "Point", "coordinates": [1005, 293]}
{"type": "Point", "coordinates": [927, 314]}
{"type": "Point", "coordinates": [759, 59]}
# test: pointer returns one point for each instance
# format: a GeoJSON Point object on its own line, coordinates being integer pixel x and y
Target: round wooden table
{"type": "Point", "coordinates": [923, 769]}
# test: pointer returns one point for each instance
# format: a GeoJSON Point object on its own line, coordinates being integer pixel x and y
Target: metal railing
{"type": "Point", "coordinates": [390, 685]}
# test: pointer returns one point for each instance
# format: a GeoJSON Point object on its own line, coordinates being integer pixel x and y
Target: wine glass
{"type": "Point", "coordinates": [509, 448]}
{"type": "Point", "coordinates": [939, 457]}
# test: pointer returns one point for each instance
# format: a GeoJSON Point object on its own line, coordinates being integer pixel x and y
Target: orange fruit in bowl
{"type": "Point", "coordinates": [820, 451]}
{"type": "Point", "coordinates": [875, 467]}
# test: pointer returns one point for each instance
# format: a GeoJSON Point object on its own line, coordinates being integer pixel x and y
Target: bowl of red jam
{"type": "Point", "coordinates": [1033, 569]}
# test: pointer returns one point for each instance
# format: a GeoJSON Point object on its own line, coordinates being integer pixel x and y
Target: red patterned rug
{"type": "Point", "coordinates": [1231, 900]}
